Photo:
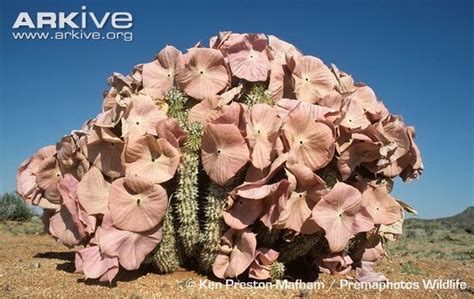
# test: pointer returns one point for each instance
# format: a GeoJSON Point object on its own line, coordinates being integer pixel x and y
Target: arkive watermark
{"type": "Point", "coordinates": [74, 25]}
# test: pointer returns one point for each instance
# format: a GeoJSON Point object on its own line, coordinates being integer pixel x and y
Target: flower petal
{"type": "Point", "coordinates": [224, 152]}
{"type": "Point", "coordinates": [136, 204]}
{"type": "Point", "coordinates": [204, 74]}
{"type": "Point", "coordinates": [131, 248]}
{"type": "Point", "coordinates": [312, 79]}
{"type": "Point", "coordinates": [93, 192]}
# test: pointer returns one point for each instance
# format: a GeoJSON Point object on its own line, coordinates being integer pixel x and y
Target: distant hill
{"type": "Point", "coordinates": [465, 216]}
{"type": "Point", "coordinates": [462, 221]}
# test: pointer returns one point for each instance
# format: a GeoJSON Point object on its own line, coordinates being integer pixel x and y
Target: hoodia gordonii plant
{"type": "Point", "coordinates": [238, 159]}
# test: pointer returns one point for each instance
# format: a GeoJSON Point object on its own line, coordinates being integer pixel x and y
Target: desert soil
{"type": "Point", "coordinates": [34, 265]}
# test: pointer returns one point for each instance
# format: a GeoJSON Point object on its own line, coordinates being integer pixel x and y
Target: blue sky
{"type": "Point", "coordinates": [417, 56]}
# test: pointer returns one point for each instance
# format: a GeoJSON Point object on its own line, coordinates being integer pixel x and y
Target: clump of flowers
{"type": "Point", "coordinates": [246, 158]}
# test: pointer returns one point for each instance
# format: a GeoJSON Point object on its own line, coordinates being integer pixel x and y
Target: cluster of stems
{"type": "Point", "coordinates": [184, 238]}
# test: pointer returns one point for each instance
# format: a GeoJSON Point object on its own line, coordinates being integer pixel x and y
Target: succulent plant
{"type": "Point", "coordinates": [240, 158]}
{"type": "Point", "coordinates": [277, 271]}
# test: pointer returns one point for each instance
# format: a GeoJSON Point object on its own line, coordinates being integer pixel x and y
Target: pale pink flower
{"type": "Point", "coordinates": [395, 146]}
{"type": "Point", "coordinates": [141, 117]}
{"type": "Point", "coordinates": [354, 116]}
{"type": "Point", "coordinates": [26, 174]}
{"type": "Point", "coordinates": [205, 73]}
{"type": "Point", "coordinates": [366, 97]}
{"type": "Point", "coordinates": [261, 266]}
{"type": "Point", "coordinates": [224, 152]}
{"type": "Point", "coordinates": [345, 83]}
{"type": "Point", "coordinates": [312, 80]}
{"type": "Point", "coordinates": [151, 158]}
{"type": "Point", "coordinates": [382, 207]}
{"type": "Point", "coordinates": [170, 130]}
{"type": "Point", "coordinates": [136, 204]}
{"type": "Point", "coordinates": [71, 224]}
{"type": "Point", "coordinates": [339, 213]}
{"type": "Point", "coordinates": [243, 212]}
{"type": "Point", "coordinates": [131, 248]}
{"type": "Point", "coordinates": [105, 151]}
{"type": "Point", "coordinates": [306, 190]}
{"type": "Point", "coordinates": [206, 111]}
{"type": "Point", "coordinates": [414, 164]}
{"type": "Point", "coordinates": [233, 114]}
{"type": "Point", "coordinates": [311, 143]}
{"type": "Point", "coordinates": [158, 75]}
{"type": "Point", "coordinates": [279, 84]}
{"type": "Point", "coordinates": [248, 58]}
{"type": "Point", "coordinates": [70, 159]}
{"type": "Point", "coordinates": [356, 154]}
{"type": "Point", "coordinates": [280, 49]}
{"type": "Point", "coordinates": [48, 176]}
{"type": "Point", "coordinates": [317, 112]}
{"type": "Point", "coordinates": [263, 126]}
{"type": "Point", "coordinates": [93, 192]}
{"type": "Point", "coordinates": [336, 264]}
{"type": "Point", "coordinates": [280, 75]}
{"type": "Point", "coordinates": [236, 253]}
{"type": "Point", "coordinates": [95, 264]}
{"type": "Point", "coordinates": [68, 187]}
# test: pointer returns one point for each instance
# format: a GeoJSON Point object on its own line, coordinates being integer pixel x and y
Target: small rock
{"type": "Point", "coordinates": [304, 293]}
{"type": "Point", "coordinates": [35, 265]}
{"type": "Point", "coordinates": [7, 287]}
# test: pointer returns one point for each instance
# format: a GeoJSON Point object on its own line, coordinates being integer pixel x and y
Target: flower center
{"type": "Point", "coordinates": [138, 201]}
{"type": "Point", "coordinates": [137, 123]}
{"type": "Point", "coordinates": [301, 141]}
{"type": "Point", "coordinates": [201, 72]}
{"type": "Point", "coordinates": [111, 144]}
{"type": "Point", "coordinates": [219, 151]}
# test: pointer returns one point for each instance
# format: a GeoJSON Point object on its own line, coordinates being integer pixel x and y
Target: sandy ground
{"type": "Point", "coordinates": [36, 266]}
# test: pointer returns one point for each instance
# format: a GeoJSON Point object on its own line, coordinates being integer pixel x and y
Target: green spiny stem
{"type": "Point", "coordinates": [187, 203]}
{"type": "Point", "coordinates": [214, 225]}
{"type": "Point", "coordinates": [258, 94]}
{"type": "Point", "coordinates": [177, 107]}
{"type": "Point", "coordinates": [165, 256]}
{"type": "Point", "coordinates": [193, 142]}
{"type": "Point", "coordinates": [277, 271]}
{"type": "Point", "coordinates": [186, 207]}
{"type": "Point", "coordinates": [299, 247]}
